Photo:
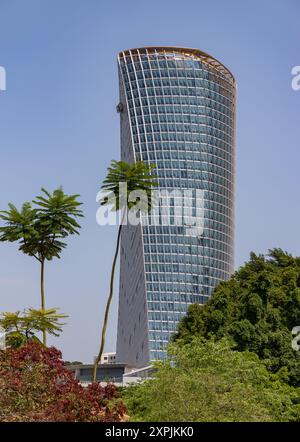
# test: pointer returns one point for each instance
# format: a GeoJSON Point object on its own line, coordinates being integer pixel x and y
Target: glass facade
{"type": "Point", "coordinates": [177, 110]}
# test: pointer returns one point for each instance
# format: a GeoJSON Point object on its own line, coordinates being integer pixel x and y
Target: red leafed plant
{"type": "Point", "coordinates": [35, 385]}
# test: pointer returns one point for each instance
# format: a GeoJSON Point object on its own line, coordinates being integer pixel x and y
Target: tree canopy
{"type": "Point", "coordinates": [22, 327]}
{"type": "Point", "coordinates": [41, 226]}
{"type": "Point", "coordinates": [124, 178]}
{"type": "Point", "coordinates": [257, 308]}
{"type": "Point", "coordinates": [35, 385]}
{"type": "Point", "coordinates": [206, 381]}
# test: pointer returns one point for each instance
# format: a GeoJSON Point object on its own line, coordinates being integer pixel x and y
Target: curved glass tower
{"type": "Point", "coordinates": [177, 110]}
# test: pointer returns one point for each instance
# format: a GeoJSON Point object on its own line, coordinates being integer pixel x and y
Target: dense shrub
{"type": "Point", "coordinates": [207, 381]}
{"type": "Point", "coordinates": [35, 385]}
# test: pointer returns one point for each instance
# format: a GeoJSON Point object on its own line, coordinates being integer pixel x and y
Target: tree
{"type": "Point", "coordinates": [257, 308]}
{"type": "Point", "coordinates": [40, 230]}
{"type": "Point", "coordinates": [206, 381]}
{"type": "Point", "coordinates": [21, 328]}
{"type": "Point", "coordinates": [35, 385]}
{"type": "Point", "coordinates": [73, 363]}
{"type": "Point", "coordinates": [135, 177]}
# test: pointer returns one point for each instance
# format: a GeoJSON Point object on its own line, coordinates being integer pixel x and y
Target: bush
{"type": "Point", "coordinates": [208, 381]}
{"type": "Point", "coordinates": [35, 385]}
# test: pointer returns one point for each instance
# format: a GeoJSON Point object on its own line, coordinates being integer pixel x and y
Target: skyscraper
{"type": "Point", "coordinates": [177, 110]}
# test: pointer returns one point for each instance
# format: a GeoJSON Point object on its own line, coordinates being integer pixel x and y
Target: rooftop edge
{"type": "Point", "coordinates": [203, 56]}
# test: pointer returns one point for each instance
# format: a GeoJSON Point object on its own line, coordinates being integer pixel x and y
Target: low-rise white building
{"type": "Point", "coordinates": [108, 358]}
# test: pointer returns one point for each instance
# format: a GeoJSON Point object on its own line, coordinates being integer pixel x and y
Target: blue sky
{"type": "Point", "coordinates": [58, 126]}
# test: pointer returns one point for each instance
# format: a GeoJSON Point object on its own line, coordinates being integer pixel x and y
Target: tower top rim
{"type": "Point", "coordinates": [197, 53]}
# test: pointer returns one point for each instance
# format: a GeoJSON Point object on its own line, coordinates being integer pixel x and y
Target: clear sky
{"type": "Point", "coordinates": [58, 126]}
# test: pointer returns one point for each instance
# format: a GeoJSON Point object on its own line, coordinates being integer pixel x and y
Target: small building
{"type": "Point", "coordinates": [119, 374]}
{"type": "Point", "coordinates": [108, 358]}
{"type": "Point", "coordinates": [107, 372]}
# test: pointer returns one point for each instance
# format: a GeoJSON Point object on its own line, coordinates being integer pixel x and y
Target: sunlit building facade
{"type": "Point", "coordinates": [177, 110]}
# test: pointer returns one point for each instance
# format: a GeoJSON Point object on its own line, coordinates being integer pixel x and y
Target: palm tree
{"type": "Point", "coordinates": [137, 177]}
{"type": "Point", "coordinates": [40, 230]}
{"type": "Point", "coordinates": [21, 327]}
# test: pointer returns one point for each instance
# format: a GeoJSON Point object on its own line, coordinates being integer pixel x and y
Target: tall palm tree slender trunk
{"type": "Point", "coordinates": [43, 298]}
{"type": "Point", "coordinates": [98, 358]}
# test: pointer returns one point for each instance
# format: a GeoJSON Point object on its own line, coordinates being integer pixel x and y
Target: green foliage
{"type": "Point", "coordinates": [207, 381]}
{"type": "Point", "coordinates": [137, 177]}
{"type": "Point", "coordinates": [40, 228]}
{"type": "Point", "coordinates": [257, 308]}
{"type": "Point", "coordinates": [73, 363]}
{"type": "Point", "coordinates": [22, 327]}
